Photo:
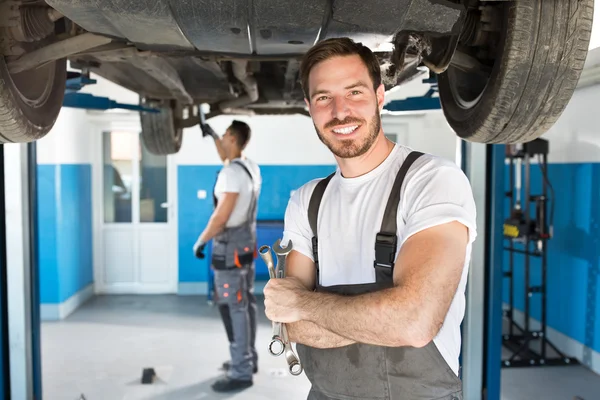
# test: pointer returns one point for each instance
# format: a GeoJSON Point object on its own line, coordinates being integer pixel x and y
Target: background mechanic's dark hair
{"type": "Point", "coordinates": [338, 47]}
{"type": "Point", "coordinates": [241, 131]}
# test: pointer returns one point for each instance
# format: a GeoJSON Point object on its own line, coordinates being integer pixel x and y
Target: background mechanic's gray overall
{"type": "Point", "coordinates": [233, 254]}
{"type": "Point", "coordinates": [362, 371]}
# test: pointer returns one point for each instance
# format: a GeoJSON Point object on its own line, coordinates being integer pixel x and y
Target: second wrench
{"type": "Point", "coordinates": [294, 364]}
{"type": "Point", "coordinates": [281, 253]}
{"type": "Point", "coordinates": [277, 345]}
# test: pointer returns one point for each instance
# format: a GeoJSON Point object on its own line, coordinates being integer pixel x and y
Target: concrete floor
{"type": "Point", "coordinates": [101, 349]}
{"type": "Point", "coordinates": [550, 383]}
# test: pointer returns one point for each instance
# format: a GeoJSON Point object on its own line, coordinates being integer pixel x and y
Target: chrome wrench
{"type": "Point", "coordinates": [276, 346]}
{"type": "Point", "coordinates": [281, 253]}
{"type": "Point", "coordinates": [265, 254]}
{"type": "Point", "coordinates": [291, 357]}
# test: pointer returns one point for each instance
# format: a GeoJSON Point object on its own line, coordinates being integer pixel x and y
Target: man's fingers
{"type": "Point", "coordinates": [269, 309]}
{"type": "Point", "coordinates": [273, 284]}
{"type": "Point", "coordinates": [268, 289]}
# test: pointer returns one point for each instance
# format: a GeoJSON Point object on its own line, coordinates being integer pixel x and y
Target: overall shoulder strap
{"type": "Point", "coordinates": [215, 200]}
{"type": "Point", "coordinates": [313, 214]}
{"type": "Point", "coordinates": [386, 240]}
{"type": "Point", "coordinates": [241, 164]}
{"type": "Point", "coordinates": [315, 202]}
{"type": "Point", "coordinates": [253, 201]}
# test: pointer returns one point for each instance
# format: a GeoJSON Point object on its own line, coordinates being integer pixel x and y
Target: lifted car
{"type": "Point", "coordinates": [506, 69]}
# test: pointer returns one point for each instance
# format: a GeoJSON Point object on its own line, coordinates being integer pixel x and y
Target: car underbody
{"type": "Point", "coordinates": [243, 57]}
{"type": "Point", "coordinates": [237, 54]}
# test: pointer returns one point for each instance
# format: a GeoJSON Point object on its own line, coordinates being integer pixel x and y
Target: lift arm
{"type": "Point", "coordinates": [75, 99]}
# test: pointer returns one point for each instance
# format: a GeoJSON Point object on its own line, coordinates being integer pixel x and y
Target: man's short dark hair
{"type": "Point", "coordinates": [338, 47]}
{"type": "Point", "coordinates": [241, 131]}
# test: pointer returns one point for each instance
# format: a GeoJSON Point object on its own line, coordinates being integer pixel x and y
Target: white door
{"type": "Point", "coordinates": [137, 238]}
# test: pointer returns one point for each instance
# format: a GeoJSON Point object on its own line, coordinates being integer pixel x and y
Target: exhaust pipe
{"type": "Point", "coordinates": [240, 72]}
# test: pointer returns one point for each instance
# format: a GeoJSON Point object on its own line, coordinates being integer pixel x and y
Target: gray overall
{"type": "Point", "coordinates": [362, 371]}
{"type": "Point", "coordinates": [233, 254]}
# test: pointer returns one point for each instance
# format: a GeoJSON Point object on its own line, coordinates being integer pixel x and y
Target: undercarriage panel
{"type": "Point", "coordinates": [263, 27]}
{"type": "Point", "coordinates": [182, 47]}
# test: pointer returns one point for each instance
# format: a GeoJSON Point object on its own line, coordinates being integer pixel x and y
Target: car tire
{"type": "Point", "coordinates": [159, 133]}
{"type": "Point", "coordinates": [30, 101]}
{"type": "Point", "coordinates": [537, 65]}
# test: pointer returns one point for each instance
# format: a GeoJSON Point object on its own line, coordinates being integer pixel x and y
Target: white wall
{"type": "Point", "coordinates": [69, 141]}
{"type": "Point", "coordinates": [276, 140]}
{"type": "Point", "coordinates": [575, 138]}
{"type": "Point", "coordinates": [292, 140]}
{"type": "Point", "coordinates": [428, 132]}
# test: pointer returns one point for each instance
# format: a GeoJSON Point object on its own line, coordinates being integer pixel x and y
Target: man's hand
{"type": "Point", "coordinates": [300, 282]}
{"type": "Point", "coordinates": [207, 130]}
{"type": "Point", "coordinates": [284, 299]}
{"type": "Point", "coordinates": [199, 248]}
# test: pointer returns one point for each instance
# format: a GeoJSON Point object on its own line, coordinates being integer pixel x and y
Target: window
{"type": "Point", "coordinates": [118, 176]}
{"type": "Point", "coordinates": [153, 186]}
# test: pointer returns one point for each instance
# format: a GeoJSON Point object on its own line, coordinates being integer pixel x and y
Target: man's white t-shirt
{"type": "Point", "coordinates": [434, 191]}
{"type": "Point", "coordinates": [233, 179]}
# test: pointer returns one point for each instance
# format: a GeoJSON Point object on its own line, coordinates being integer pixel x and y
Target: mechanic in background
{"type": "Point", "coordinates": [232, 227]}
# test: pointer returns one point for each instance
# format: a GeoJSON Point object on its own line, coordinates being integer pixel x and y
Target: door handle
{"type": "Point", "coordinates": [165, 205]}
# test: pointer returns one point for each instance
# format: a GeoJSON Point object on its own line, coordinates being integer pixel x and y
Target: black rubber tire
{"type": "Point", "coordinates": [159, 134]}
{"type": "Point", "coordinates": [23, 121]}
{"type": "Point", "coordinates": [534, 76]}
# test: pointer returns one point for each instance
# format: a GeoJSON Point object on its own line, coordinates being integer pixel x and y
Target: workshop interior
{"type": "Point", "coordinates": [107, 181]}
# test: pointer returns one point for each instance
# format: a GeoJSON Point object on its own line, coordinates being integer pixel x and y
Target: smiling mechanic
{"type": "Point", "coordinates": [374, 296]}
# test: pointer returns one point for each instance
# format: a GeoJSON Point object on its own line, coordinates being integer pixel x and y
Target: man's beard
{"type": "Point", "coordinates": [350, 148]}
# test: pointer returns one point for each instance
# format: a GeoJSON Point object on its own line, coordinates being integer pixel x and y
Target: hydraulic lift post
{"type": "Point", "coordinates": [484, 165]}
{"type": "Point", "coordinates": [20, 300]}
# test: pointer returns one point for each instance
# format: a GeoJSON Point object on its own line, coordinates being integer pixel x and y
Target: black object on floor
{"type": "Point", "coordinates": [229, 385]}
{"type": "Point", "coordinates": [148, 376]}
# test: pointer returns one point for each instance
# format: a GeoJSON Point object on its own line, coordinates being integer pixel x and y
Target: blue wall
{"type": "Point", "coordinates": [278, 182]}
{"type": "Point", "coordinates": [65, 230]}
{"type": "Point", "coordinates": [573, 274]}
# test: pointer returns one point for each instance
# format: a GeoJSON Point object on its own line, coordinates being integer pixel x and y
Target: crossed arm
{"type": "Point", "coordinates": [305, 331]}
{"type": "Point", "coordinates": [426, 276]}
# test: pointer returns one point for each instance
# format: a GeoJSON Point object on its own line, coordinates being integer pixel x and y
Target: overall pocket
{"type": "Point", "coordinates": [244, 256]}
{"type": "Point", "coordinates": [230, 286]}
{"type": "Point", "coordinates": [219, 255]}
{"type": "Point", "coordinates": [237, 249]}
